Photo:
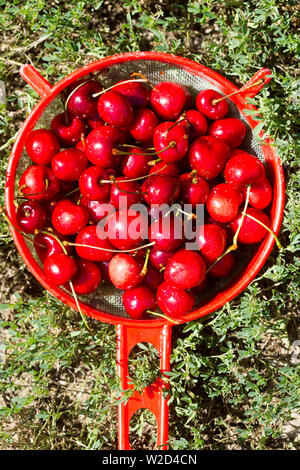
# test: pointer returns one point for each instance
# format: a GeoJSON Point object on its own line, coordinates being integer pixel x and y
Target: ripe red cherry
{"type": "Point", "coordinates": [135, 164]}
{"type": "Point", "coordinates": [68, 164]}
{"type": "Point", "coordinates": [46, 245]}
{"type": "Point", "coordinates": [205, 103]}
{"type": "Point", "coordinates": [97, 209]}
{"type": "Point", "coordinates": [39, 183]}
{"type": "Point", "coordinates": [144, 123]}
{"type": "Point", "coordinates": [88, 277]}
{"type": "Point", "coordinates": [186, 269]}
{"type": "Point", "coordinates": [162, 168]}
{"type": "Point", "coordinates": [93, 236]}
{"type": "Point", "coordinates": [41, 145]}
{"type": "Point", "coordinates": [208, 156]}
{"type": "Point", "coordinates": [31, 215]}
{"type": "Point", "coordinates": [174, 301]}
{"type": "Point", "coordinates": [115, 109]}
{"type": "Point", "coordinates": [90, 184]}
{"type": "Point", "coordinates": [125, 271]}
{"type": "Point", "coordinates": [168, 99]}
{"type": "Point", "coordinates": [260, 194]}
{"type": "Point", "coordinates": [194, 189]}
{"type": "Point", "coordinates": [81, 102]}
{"type": "Point", "coordinates": [125, 193]}
{"type": "Point", "coordinates": [251, 231]}
{"type": "Point", "coordinates": [69, 218]}
{"type": "Point", "coordinates": [160, 189]}
{"type": "Point", "coordinates": [137, 93]}
{"type": "Point", "coordinates": [95, 121]}
{"type": "Point", "coordinates": [223, 202]}
{"type": "Point", "coordinates": [196, 123]}
{"type": "Point", "coordinates": [68, 130]}
{"type": "Point", "coordinates": [60, 268]}
{"type": "Point", "coordinates": [159, 258]}
{"type": "Point", "coordinates": [243, 169]}
{"type": "Point", "coordinates": [223, 267]}
{"type": "Point", "coordinates": [231, 129]}
{"type": "Point", "coordinates": [100, 145]}
{"type": "Point", "coordinates": [167, 233]}
{"type": "Point", "coordinates": [126, 228]}
{"type": "Point", "coordinates": [211, 242]}
{"type": "Point", "coordinates": [176, 139]}
{"type": "Point", "coordinates": [138, 300]}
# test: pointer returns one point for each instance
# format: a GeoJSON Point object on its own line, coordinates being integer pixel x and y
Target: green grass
{"type": "Point", "coordinates": [234, 382]}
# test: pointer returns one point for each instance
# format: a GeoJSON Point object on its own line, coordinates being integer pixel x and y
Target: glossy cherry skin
{"type": "Point", "coordinates": [223, 267]}
{"type": "Point", "coordinates": [176, 138]}
{"type": "Point", "coordinates": [88, 277]}
{"type": "Point", "coordinates": [186, 269]}
{"type": "Point", "coordinates": [159, 258]}
{"type": "Point", "coordinates": [90, 184]}
{"type": "Point", "coordinates": [68, 164]}
{"type": "Point", "coordinates": [60, 268]}
{"type": "Point", "coordinates": [68, 131]}
{"type": "Point", "coordinates": [39, 183]}
{"type": "Point", "coordinates": [125, 193]}
{"type": "Point", "coordinates": [115, 109]}
{"type": "Point", "coordinates": [260, 194]}
{"type": "Point", "coordinates": [100, 145]}
{"type": "Point", "coordinates": [223, 202]}
{"type": "Point", "coordinates": [97, 210]}
{"type": "Point", "coordinates": [168, 99]}
{"type": "Point", "coordinates": [194, 189]}
{"type": "Point", "coordinates": [231, 129]}
{"type": "Point", "coordinates": [167, 233]}
{"type": "Point", "coordinates": [143, 126]}
{"type": "Point", "coordinates": [243, 169]}
{"type": "Point", "coordinates": [211, 242]}
{"type": "Point", "coordinates": [69, 218]}
{"type": "Point", "coordinates": [208, 156]}
{"type": "Point", "coordinates": [137, 93]}
{"type": "Point", "coordinates": [196, 123]}
{"type": "Point", "coordinates": [125, 271]}
{"type": "Point", "coordinates": [204, 103]}
{"type": "Point", "coordinates": [174, 301]}
{"type": "Point", "coordinates": [41, 145]}
{"type": "Point", "coordinates": [126, 229]}
{"type": "Point", "coordinates": [251, 231]}
{"type": "Point", "coordinates": [31, 215]}
{"type": "Point", "coordinates": [46, 245]}
{"type": "Point", "coordinates": [161, 189]}
{"type": "Point", "coordinates": [93, 236]}
{"type": "Point", "coordinates": [81, 102]}
{"type": "Point", "coordinates": [135, 164]}
{"type": "Point", "coordinates": [163, 168]}
{"type": "Point", "coordinates": [138, 300]}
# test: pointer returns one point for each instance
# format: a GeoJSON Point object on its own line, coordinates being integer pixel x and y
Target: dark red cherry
{"type": "Point", "coordinates": [232, 130]}
{"type": "Point", "coordinates": [161, 189]}
{"type": "Point", "coordinates": [100, 145]}
{"type": "Point", "coordinates": [143, 125]}
{"type": "Point", "coordinates": [97, 210]}
{"type": "Point", "coordinates": [137, 93]}
{"type": "Point", "coordinates": [115, 109]}
{"type": "Point", "coordinates": [196, 123]}
{"type": "Point", "coordinates": [95, 121]}
{"type": "Point", "coordinates": [60, 268]}
{"type": "Point", "coordinates": [125, 271]}
{"type": "Point", "coordinates": [104, 266]}
{"type": "Point", "coordinates": [260, 194]}
{"type": "Point", "coordinates": [88, 277]}
{"type": "Point", "coordinates": [91, 186]}
{"type": "Point", "coordinates": [153, 278]}
{"type": "Point", "coordinates": [93, 236]}
{"type": "Point", "coordinates": [167, 233]}
{"type": "Point", "coordinates": [211, 240]}
{"type": "Point", "coordinates": [41, 145]}
{"type": "Point", "coordinates": [168, 99]}
{"type": "Point", "coordinates": [39, 183]}
{"type": "Point", "coordinates": [223, 267]}
{"type": "Point", "coordinates": [174, 141]}
{"type": "Point", "coordinates": [126, 228]}
{"type": "Point", "coordinates": [138, 300]}
{"type": "Point", "coordinates": [194, 189]}
{"type": "Point", "coordinates": [251, 231]}
{"type": "Point", "coordinates": [46, 245]}
{"type": "Point", "coordinates": [67, 129]}
{"type": "Point", "coordinates": [163, 168]}
{"type": "Point", "coordinates": [81, 102]}
{"type": "Point", "coordinates": [135, 164]}
{"type": "Point", "coordinates": [208, 156]}
{"type": "Point", "coordinates": [243, 169]}
{"type": "Point", "coordinates": [69, 218]}
{"type": "Point", "coordinates": [31, 215]}
{"type": "Point", "coordinates": [159, 258]}
{"type": "Point", "coordinates": [205, 103]}
{"type": "Point", "coordinates": [174, 301]}
{"type": "Point", "coordinates": [68, 164]}
{"type": "Point", "coordinates": [223, 202]}
{"type": "Point", "coordinates": [186, 269]}
{"type": "Point", "coordinates": [125, 193]}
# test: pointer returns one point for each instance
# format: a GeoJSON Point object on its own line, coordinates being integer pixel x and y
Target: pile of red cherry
{"type": "Point", "coordinates": [151, 145]}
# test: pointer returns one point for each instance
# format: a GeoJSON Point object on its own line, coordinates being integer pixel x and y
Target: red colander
{"type": "Point", "coordinates": [106, 304]}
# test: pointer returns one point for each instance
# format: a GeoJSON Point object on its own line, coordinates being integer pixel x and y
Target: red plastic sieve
{"type": "Point", "coordinates": [106, 304]}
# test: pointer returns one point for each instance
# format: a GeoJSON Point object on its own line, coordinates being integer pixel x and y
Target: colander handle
{"type": "Point", "coordinates": [152, 397]}
{"type": "Point", "coordinates": [262, 77]}
{"type": "Point", "coordinates": [35, 80]}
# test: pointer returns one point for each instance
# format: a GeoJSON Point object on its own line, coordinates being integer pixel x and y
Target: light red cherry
{"type": "Point", "coordinates": [208, 156]}
{"type": "Point", "coordinates": [91, 186]}
{"type": "Point", "coordinates": [251, 231]}
{"type": "Point", "coordinates": [223, 202]}
{"type": "Point", "coordinates": [39, 183]}
{"type": "Point", "coordinates": [167, 233]}
{"type": "Point", "coordinates": [163, 168]}
{"type": "Point", "coordinates": [223, 267]}
{"type": "Point", "coordinates": [67, 129]}
{"type": "Point", "coordinates": [60, 268]}
{"type": "Point", "coordinates": [170, 143]}
{"type": "Point", "coordinates": [31, 216]}
{"type": "Point", "coordinates": [136, 92]}
{"type": "Point", "coordinates": [88, 277]}
{"type": "Point", "coordinates": [143, 125]}
{"type": "Point", "coordinates": [69, 164]}
{"type": "Point", "coordinates": [138, 300]}
{"type": "Point", "coordinates": [125, 193]}
{"type": "Point", "coordinates": [97, 210]}
{"type": "Point", "coordinates": [125, 271]}
{"type": "Point", "coordinates": [243, 169]}
{"type": "Point", "coordinates": [168, 99]}
{"type": "Point", "coordinates": [46, 245]}
{"type": "Point", "coordinates": [186, 269]}
{"type": "Point", "coordinates": [161, 189]}
{"type": "Point", "coordinates": [231, 129]}
{"type": "Point", "coordinates": [69, 218]}
{"type": "Point", "coordinates": [81, 100]}
{"type": "Point", "coordinates": [194, 189]}
{"type": "Point", "coordinates": [211, 240]}
{"type": "Point", "coordinates": [135, 164]}
{"type": "Point", "coordinates": [93, 236]}
{"type": "Point", "coordinates": [174, 301]}
{"type": "Point", "coordinates": [205, 102]}
{"type": "Point", "coordinates": [41, 145]}
{"type": "Point", "coordinates": [195, 122]}
{"type": "Point", "coordinates": [100, 146]}
{"type": "Point", "coordinates": [260, 194]}
{"type": "Point", "coordinates": [126, 228]}
{"type": "Point", "coordinates": [115, 109]}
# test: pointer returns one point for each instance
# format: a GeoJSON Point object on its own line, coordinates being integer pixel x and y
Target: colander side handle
{"type": "Point", "coordinates": [262, 77]}
{"type": "Point", "coordinates": [35, 80]}
{"type": "Point", "coordinates": [153, 396]}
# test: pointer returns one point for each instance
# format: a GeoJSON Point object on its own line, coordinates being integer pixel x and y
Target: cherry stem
{"type": "Point", "coordinates": [72, 93]}
{"type": "Point", "coordinates": [163, 316]}
{"type": "Point", "coordinates": [144, 80]}
{"type": "Point", "coordinates": [258, 82]}
{"type": "Point", "coordinates": [78, 306]}
{"type": "Point", "coordinates": [176, 123]}
{"type": "Point", "coordinates": [113, 180]}
{"type": "Point", "coordinates": [25, 196]}
{"type": "Point", "coordinates": [140, 177]}
{"type": "Point", "coordinates": [145, 267]}
{"type": "Point", "coordinates": [119, 152]}
{"type": "Point", "coordinates": [137, 74]}
{"type": "Point", "coordinates": [66, 243]}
